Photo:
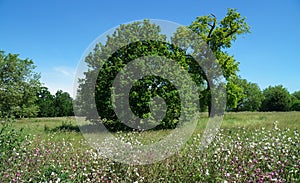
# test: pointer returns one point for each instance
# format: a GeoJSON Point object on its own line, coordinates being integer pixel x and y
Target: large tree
{"type": "Point", "coordinates": [217, 35]}
{"type": "Point", "coordinates": [143, 90]}
{"type": "Point", "coordinates": [19, 85]}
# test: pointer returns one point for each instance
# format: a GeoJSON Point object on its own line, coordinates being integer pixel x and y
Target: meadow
{"type": "Point", "coordinates": [250, 147]}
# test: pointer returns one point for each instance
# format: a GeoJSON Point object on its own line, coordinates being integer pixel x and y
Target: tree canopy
{"type": "Point", "coordinates": [18, 86]}
{"type": "Point", "coordinates": [296, 94]}
{"type": "Point", "coordinates": [57, 105]}
{"type": "Point", "coordinates": [22, 94]}
{"type": "Point", "coordinates": [217, 35]}
{"type": "Point", "coordinates": [253, 97]}
{"type": "Point", "coordinates": [276, 98]}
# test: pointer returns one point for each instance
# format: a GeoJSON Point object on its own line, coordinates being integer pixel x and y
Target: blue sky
{"type": "Point", "coordinates": [55, 34]}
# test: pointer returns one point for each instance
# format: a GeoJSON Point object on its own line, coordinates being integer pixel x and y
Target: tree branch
{"type": "Point", "coordinates": [211, 29]}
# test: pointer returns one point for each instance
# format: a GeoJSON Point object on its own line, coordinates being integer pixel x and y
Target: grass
{"type": "Point", "coordinates": [250, 147]}
{"type": "Point", "coordinates": [232, 120]}
{"type": "Point", "coordinates": [262, 119]}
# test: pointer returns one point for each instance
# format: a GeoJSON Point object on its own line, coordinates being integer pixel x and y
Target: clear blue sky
{"type": "Point", "coordinates": [54, 34]}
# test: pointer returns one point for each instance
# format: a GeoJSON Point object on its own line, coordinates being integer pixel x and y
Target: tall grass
{"type": "Point", "coordinates": [250, 147]}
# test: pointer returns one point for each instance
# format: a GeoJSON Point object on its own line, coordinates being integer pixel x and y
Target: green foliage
{"type": "Point", "coordinates": [10, 141]}
{"type": "Point", "coordinates": [46, 103]}
{"type": "Point", "coordinates": [144, 89]}
{"type": "Point", "coordinates": [57, 105]}
{"type": "Point", "coordinates": [18, 86]}
{"type": "Point", "coordinates": [295, 105]}
{"type": "Point", "coordinates": [220, 36]}
{"type": "Point", "coordinates": [63, 104]}
{"type": "Point", "coordinates": [252, 98]}
{"type": "Point", "coordinates": [276, 98]}
{"type": "Point", "coordinates": [296, 94]}
{"type": "Point", "coordinates": [235, 93]}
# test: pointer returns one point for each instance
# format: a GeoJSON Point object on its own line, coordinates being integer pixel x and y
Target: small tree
{"type": "Point", "coordinates": [276, 98]}
{"type": "Point", "coordinates": [19, 85]}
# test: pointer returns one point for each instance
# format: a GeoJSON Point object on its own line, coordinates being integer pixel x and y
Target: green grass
{"type": "Point", "coordinates": [248, 148]}
{"type": "Point", "coordinates": [250, 120]}
{"type": "Point", "coordinates": [262, 119]}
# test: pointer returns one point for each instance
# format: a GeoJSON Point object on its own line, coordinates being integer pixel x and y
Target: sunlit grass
{"type": "Point", "coordinates": [251, 147]}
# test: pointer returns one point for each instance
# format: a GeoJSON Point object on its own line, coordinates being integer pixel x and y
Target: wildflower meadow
{"type": "Point", "coordinates": [264, 152]}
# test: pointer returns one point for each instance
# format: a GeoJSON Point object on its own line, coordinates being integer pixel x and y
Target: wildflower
{"type": "Point", "coordinates": [57, 181]}
{"type": "Point", "coordinates": [206, 172]}
{"type": "Point", "coordinates": [17, 174]}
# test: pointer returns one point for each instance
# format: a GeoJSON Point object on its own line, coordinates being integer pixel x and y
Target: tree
{"type": "Point", "coordinates": [295, 105]}
{"type": "Point", "coordinates": [63, 104]}
{"type": "Point", "coordinates": [18, 86]}
{"type": "Point", "coordinates": [295, 101]}
{"type": "Point", "coordinates": [252, 98]}
{"type": "Point", "coordinates": [144, 89]}
{"type": "Point", "coordinates": [219, 36]}
{"type": "Point", "coordinates": [296, 94]}
{"type": "Point", "coordinates": [276, 98]}
{"type": "Point", "coordinates": [45, 103]}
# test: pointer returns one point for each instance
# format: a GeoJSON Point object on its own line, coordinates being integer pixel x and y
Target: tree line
{"type": "Point", "coordinates": [57, 105]}
{"type": "Point", "coordinates": [22, 93]}
{"type": "Point", "coordinates": [272, 98]}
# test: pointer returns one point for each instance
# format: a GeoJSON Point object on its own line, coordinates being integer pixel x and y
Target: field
{"type": "Point", "coordinates": [250, 147]}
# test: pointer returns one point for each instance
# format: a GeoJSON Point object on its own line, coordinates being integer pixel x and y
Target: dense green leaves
{"type": "Point", "coordinates": [276, 98]}
{"type": "Point", "coordinates": [18, 86]}
{"type": "Point", "coordinates": [219, 36]}
{"type": "Point", "coordinates": [253, 97]}
{"type": "Point", "coordinates": [110, 58]}
{"type": "Point", "coordinates": [10, 141]}
{"type": "Point", "coordinates": [296, 106]}
{"type": "Point", "coordinates": [56, 105]}
{"type": "Point", "coordinates": [46, 103]}
{"type": "Point", "coordinates": [296, 95]}
{"type": "Point", "coordinates": [63, 104]}
{"type": "Point", "coordinates": [295, 101]}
